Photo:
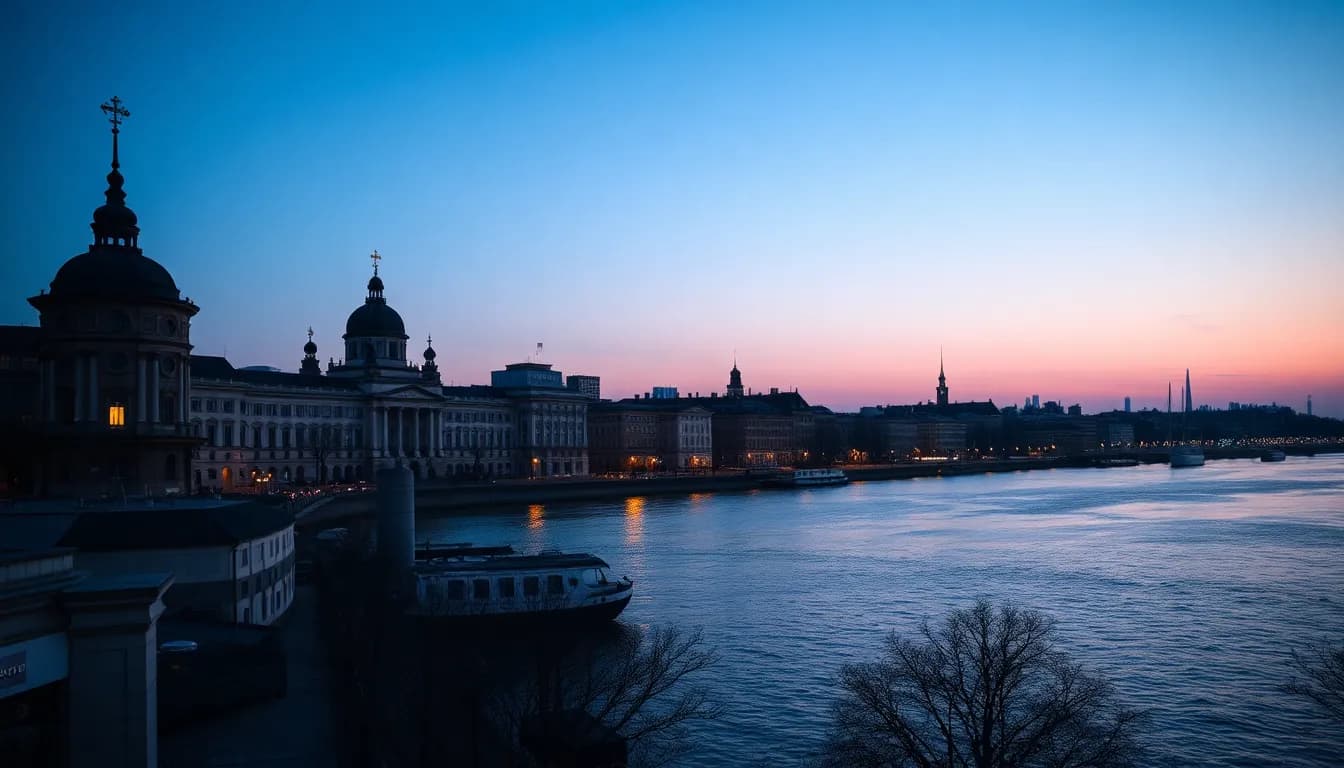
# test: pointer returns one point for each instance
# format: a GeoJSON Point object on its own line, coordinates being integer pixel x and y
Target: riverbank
{"type": "Point", "coordinates": [438, 498]}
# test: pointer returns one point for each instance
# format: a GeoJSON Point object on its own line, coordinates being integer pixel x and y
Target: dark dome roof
{"type": "Point", "coordinates": [375, 318]}
{"type": "Point", "coordinates": [115, 272]}
{"type": "Point", "coordinates": [310, 348]}
{"type": "Point", "coordinates": [429, 353]}
{"type": "Point", "coordinates": [375, 284]}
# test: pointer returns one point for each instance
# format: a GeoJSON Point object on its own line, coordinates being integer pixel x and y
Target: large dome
{"type": "Point", "coordinates": [375, 318]}
{"type": "Point", "coordinates": [115, 272]}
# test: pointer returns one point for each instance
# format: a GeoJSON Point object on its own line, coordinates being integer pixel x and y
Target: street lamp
{"type": "Point", "coordinates": [536, 462]}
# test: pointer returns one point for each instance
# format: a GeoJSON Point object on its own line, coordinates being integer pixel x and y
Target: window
{"type": "Point", "coordinates": [196, 404]}
{"type": "Point", "coordinates": [555, 584]}
{"type": "Point", "coordinates": [228, 406]}
{"type": "Point", "coordinates": [505, 588]}
{"type": "Point", "coordinates": [212, 406]}
{"type": "Point", "coordinates": [243, 588]}
{"type": "Point", "coordinates": [245, 556]}
{"type": "Point", "coordinates": [116, 415]}
{"type": "Point", "coordinates": [247, 615]}
{"type": "Point", "coordinates": [457, 589]}
{"type": "Point", "coordinates": [531, 586]}
{"type": "Point", "coordinates": [480, 589]}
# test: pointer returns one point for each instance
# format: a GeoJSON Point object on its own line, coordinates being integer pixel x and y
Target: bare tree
{"type": "Point", "coordinates": [1319, 676]}
{"type": "Point", "coordinates": [636, 684]}
{"type": "Point", "coordinates": [985, 688]}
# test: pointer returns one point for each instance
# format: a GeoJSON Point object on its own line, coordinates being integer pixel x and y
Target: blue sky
{"type": "Point", "coordinates": [1075, 199]}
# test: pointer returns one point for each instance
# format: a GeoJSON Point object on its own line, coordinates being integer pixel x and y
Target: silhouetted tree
{"type": "Point", "coordinates": [1319, 676]}
{"type": "Point", "coordinates": [984, 688]}
{"type": "Point", "coordinates": [635, 683]}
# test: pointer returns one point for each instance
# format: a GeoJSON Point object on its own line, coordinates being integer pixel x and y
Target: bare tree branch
{"type": "Point", "coordinates": [985, 688]}
{"type": "Point", "coordinates": [1319, 677]}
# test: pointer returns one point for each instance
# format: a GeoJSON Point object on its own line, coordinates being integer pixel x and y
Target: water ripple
{"type": "Point", "coordinates": [1188, 588]}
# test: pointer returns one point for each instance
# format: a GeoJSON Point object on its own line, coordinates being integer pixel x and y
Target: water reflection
{"type": "Point", "coordinates": [535, 516]}
{"type": "Point", "coordinates": [634, 520]}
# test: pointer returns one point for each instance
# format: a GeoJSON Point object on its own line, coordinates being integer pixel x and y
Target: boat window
{"type": "Point", "coordinates": [480, 589]}
{"type": "Point", "coordinates": [592, 577]}
{"type": "Point", "coordinates": [457, 589]}
{"type": "Point", "coordinates": [555, 584]}
{"type": "Point", "coordinates": [505, 588]}
{"type": "Point", "coordinates": [531, 586]}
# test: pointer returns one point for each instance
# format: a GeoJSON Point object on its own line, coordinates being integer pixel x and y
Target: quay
{"type": "Point", "coordinates": [446, 498]}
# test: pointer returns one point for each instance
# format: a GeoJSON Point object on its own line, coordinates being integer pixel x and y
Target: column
{"type": "Point", "coordinates": [50, 401]}
{"type": "Point", "coordinates": [95, 412]}
{"type": "Point", "coordinates": [141, 403]}
{"type": "Point", "coordinates": [154, 390]}
{"type": "Point", "coordinates": [183, 407]}
{"type": "Point", "coordinates": [436, 423]}
{"type": "Point", "coordinates": [401, 423]}
{"type": "Point", "coordinates": [113, 683]}
{"type": "Point", "coordinates": [416, 450]}
{"type": "Point", "coordinates": [79, 388]}
{"type": "Point", "coordinates": [382, 431]}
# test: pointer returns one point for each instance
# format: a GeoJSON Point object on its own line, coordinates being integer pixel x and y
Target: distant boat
{"type": "Point", "coordinates": [800, 478]}
{"type": "Point", "coordinates": [460, 585]}
{"type": "Point", "coordinates": [1186, 456]}
{"type": "Point", "coordinates": [1273, 454]}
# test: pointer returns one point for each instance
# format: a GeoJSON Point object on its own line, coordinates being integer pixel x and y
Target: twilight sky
{"type": "Point", "coordinates": [1076, 199]}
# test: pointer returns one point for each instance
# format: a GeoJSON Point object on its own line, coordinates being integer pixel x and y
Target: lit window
{"type": "Point", "coordinates": [116, 415]}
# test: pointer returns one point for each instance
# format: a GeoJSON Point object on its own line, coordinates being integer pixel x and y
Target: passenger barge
{"type": "Point", "coordinates": [495, 586]}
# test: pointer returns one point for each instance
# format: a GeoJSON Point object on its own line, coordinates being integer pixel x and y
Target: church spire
{"type": "Point", "coordinates": [113, 222]}
{"type": "Point", "coordinates": [942, 380]}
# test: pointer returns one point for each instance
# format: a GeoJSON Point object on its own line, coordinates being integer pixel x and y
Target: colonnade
{"type": "Point", "coordinates": [88, 390]}
{"type": "Point", "coordinates": [407, 431]}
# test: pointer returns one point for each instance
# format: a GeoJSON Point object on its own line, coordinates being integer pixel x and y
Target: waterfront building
{"type": "Point", "coordinates": [588, 386]}
{"type": "Point", "coordinates": [552, 420]}
{"type": "Point", "coordinates": [113, 364]}
{"type": "Point", "coordinates": [940, 437]}
{"type": "Point", "coordinates": [105, 398]}
{"type": "Point", "coordinates": [648, 434]}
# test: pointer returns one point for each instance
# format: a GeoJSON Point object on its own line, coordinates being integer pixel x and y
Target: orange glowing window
{"type": "Point", "coordinates": [116, 415]}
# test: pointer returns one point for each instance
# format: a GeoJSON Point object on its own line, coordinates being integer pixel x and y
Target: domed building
{"type": "Point", "coordinates": [114, 364]}
{"type": "Point", "coordinates": [108, 399]}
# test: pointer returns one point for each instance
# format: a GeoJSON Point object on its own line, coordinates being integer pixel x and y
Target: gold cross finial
{"type": "Point", "coordinates": [429, 341]}
{"type": "Point", "coordinates": [310, 333]}
{"type": "Point", "coordinates": [376, 258]}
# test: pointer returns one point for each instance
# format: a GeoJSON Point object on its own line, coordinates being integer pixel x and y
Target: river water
{"type": "Point", "coordinates": [1187, 587]}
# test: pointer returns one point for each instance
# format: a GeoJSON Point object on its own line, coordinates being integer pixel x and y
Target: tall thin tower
{"type": "Point", "coordinates": [1189, 402]}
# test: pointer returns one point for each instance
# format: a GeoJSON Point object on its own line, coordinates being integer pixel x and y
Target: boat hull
{"type": "Point", "coordinates": [1273, 456]}
{"type": "Point", "coordinates": [1187, 457]}
{"type": "Point", "coordinates": [590, 615]}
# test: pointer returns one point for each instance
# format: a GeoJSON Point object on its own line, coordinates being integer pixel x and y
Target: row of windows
{"type": "Point", "coordinates": [505, 587]}
{"type": "Point", "coordinates": [284, 410]}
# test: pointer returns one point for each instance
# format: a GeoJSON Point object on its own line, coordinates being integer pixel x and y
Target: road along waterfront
{"type": "Point", "coordinates": [1188, 587]}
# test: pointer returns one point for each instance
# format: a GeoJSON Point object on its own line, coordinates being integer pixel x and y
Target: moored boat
{"type": "Point", "coordinates": [466, 585]}
{"type": "Point", "coordinates": [809, 477]}
{"type": "Point", "coordinates": [1186, 456]}
{"type": "Point", "coordinates": [1273, 454]}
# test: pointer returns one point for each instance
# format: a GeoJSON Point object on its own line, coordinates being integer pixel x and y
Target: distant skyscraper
{"type": "Point", "coordinates": [942, 381]}
{"type": "Point", "coordinates": [1308, 405]}
{"type": "Point", "coordinates": [1126, 405]}
{"type": "Point", "coordinates": [1189, 401]}
{"type": "Point", "coordinates": [664, 393]}
{"type": "Point", "coordinates": [588, 386]}
{"type": "Point", "coordinates": [1035, 401]}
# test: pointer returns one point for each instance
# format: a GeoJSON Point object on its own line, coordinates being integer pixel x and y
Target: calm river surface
{"type": "Point", "coordinates": [1187, 587]}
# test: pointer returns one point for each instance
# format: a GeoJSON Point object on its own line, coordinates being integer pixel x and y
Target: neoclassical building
{"type": "Point", "coordinates": [374, 408]}
{"type": "Point", "coordinates": [113, 364]}
{"type": "Point", "coordinates": [107, 399]}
